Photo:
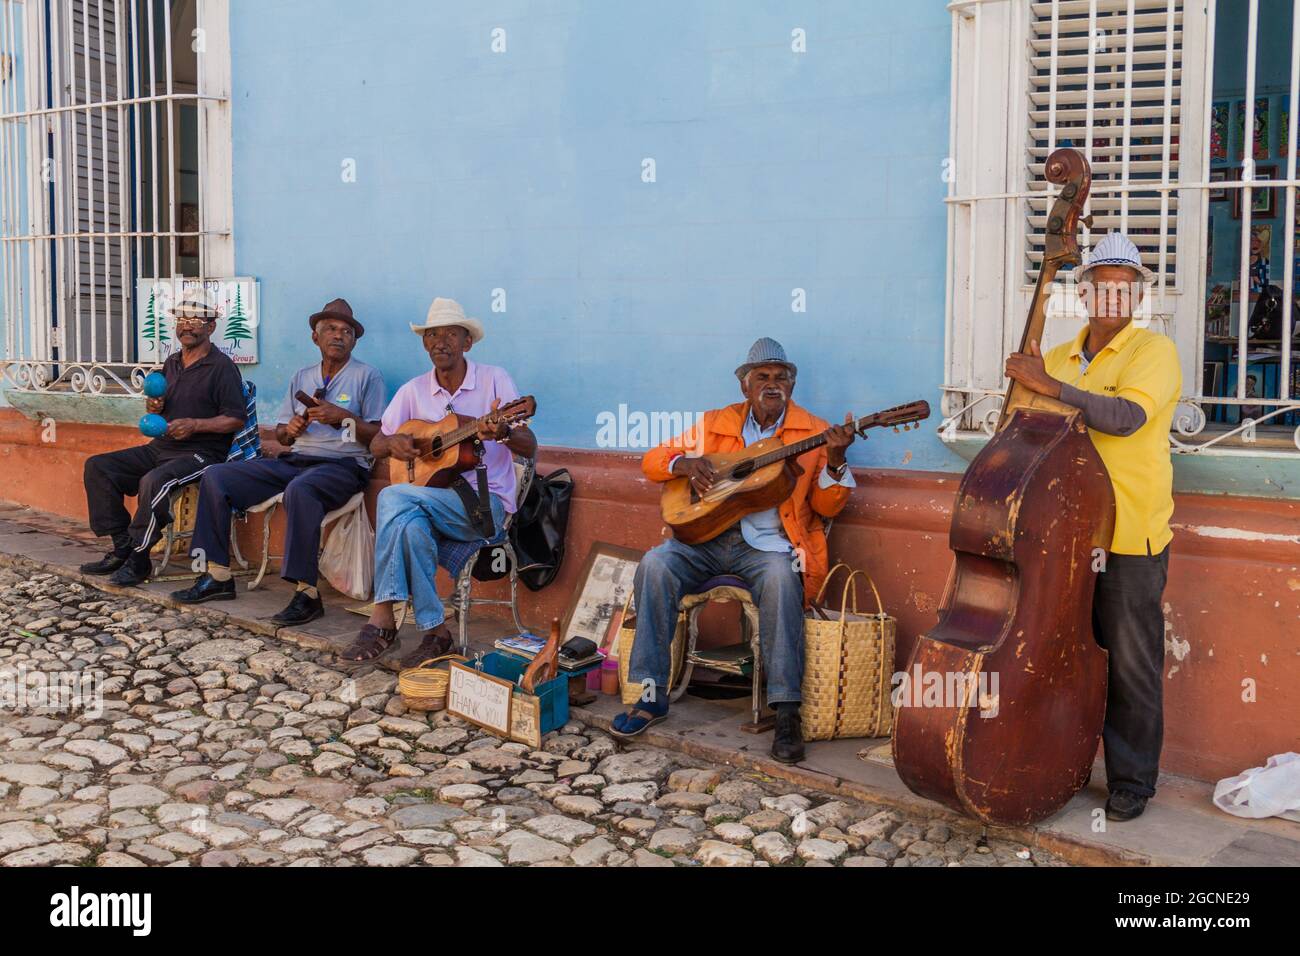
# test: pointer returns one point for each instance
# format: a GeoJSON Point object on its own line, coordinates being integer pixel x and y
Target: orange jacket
{"type": "Point", "coordinates": [801, 513]}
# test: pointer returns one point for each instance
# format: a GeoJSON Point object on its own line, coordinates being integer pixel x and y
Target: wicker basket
{"type": "Point", "coordinates": [623, 648]}
{"type": "Point", "coordinates": [848, 665]}
{"type": "Point", "coordinates": [425, 687]}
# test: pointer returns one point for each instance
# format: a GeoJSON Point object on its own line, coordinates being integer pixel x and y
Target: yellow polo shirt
{"type": "Point", "coordinates": [1142, 366]}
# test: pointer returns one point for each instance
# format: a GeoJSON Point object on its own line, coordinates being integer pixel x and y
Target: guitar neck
{"type": "Point", "coordinates": [802, 447]}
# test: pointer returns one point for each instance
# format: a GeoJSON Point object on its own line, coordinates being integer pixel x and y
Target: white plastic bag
{"type": "Point", "coordinates": [1272, 790]}
{"type": "Point", "coordinates": [348, 561]}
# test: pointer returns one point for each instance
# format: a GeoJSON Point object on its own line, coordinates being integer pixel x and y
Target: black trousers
{"type": "Point", "coordinates": [312, 488]}
{"type": "Point", "coordinates": [148, 474]}
{"type": "Point", "coordinates": [1128, 620]}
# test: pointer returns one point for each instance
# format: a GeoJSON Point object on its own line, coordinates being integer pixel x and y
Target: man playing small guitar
{"type": "Point", "coordinates": [412, 519]}
{"type": "Point", "coordinates": [767, 548]}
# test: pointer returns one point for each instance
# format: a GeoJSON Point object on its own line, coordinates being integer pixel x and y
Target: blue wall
{"type": "Point", "coordinates": [522, 170]}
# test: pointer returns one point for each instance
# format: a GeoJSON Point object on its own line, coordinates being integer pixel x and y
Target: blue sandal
{"type": "Point", "coordinates": [637, 719]}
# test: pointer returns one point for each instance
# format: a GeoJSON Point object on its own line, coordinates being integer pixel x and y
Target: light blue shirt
{"type": "Point", "coordinates": [762, 530]}
{"type": "Point", "coordinates": [357, 387]}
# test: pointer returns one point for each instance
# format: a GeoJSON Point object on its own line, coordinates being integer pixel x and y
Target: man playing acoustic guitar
{"type": "Point", "coordinates": [768, 549]}
{"type": "Point", "coordinates": [411, 519]}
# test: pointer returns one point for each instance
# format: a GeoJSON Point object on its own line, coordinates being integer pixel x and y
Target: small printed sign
{"type": "Point", "coordinates": [236, 300]}
{"type": "Point", "coordinates": [480, 698]}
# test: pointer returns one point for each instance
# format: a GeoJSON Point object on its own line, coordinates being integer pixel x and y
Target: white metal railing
{"type": "Point", "coordinates": [1130, 82]}
{"type": "Point", "coordinates": [95, 151]}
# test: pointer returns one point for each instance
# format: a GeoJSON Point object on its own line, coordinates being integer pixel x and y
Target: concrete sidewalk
{"type": "Point", "coordinates": [1181, 827]}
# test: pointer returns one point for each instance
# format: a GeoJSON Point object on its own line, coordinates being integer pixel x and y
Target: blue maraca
{"type": "Point", "coordinates": [153, 426]}
{"type": "Point", "coordinates": [155, 385]}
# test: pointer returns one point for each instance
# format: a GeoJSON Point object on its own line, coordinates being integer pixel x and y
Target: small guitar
{"type": "Point", "coordinates": [446, 447]}
{"type": "Point", "coordinates": [756, 478]}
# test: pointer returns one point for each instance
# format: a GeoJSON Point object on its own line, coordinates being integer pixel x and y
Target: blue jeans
{"type": "Point", "coordinates": [673, 569]}
{"type": "Point", "coordinates": [411, 521]}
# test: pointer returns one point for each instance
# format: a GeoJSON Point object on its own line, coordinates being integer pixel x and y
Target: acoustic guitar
{"type": "Point", "coordinates": [756, 478]}
{"type": "Point", "coordinates": [446, 447]}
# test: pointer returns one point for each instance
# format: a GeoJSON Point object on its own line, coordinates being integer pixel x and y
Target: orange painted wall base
{"type": "Point", "coordinates": [1232, 606]}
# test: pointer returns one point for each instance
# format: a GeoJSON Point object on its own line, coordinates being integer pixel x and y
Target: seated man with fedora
{"type": "Point", "coordinates": [412, 519]}
{"type": "Point", "coordinates": [204, 408]}
{"type": "Point", "coordinates": [328, 464]}
{"type": "Point", "coordinates": [767, 549]}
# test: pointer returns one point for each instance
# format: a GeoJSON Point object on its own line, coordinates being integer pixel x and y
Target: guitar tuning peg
{"type": "Point", "coordinates": [895, 429]}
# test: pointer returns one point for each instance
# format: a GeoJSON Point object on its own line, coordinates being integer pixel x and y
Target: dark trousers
{"type": "Point", "coordinates": [1128, 620]}
{"type": "Point", "coordinates": [148, 474]}
{"type": "Point", "coordinates": [312, 488]}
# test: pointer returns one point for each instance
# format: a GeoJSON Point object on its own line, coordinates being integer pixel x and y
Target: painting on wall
{"type": "Point", "coordinates": [1263, 201]}
{"type": "Point", "coordinates": [1219, 176]}
{"type": "Point", "coordinates": [1219, 132]}
{"type": "Point", "coordinates": [1261, 140]}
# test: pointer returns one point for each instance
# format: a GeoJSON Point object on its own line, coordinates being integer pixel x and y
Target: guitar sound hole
{"type": "Point", "coordinates": [741, 471]}
{"type": "Point", "coordinates": [435, 447]}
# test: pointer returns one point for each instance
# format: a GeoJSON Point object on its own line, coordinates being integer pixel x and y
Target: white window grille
{"type": "Point", "coordinates": [114, 165]}
{"type": "Point", "coordinates": [1130, 83]}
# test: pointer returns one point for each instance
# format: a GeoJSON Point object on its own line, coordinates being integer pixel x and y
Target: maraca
{"type": "Point", "coordinates": [155, 385]}
{"type": "Point", "coordinates": [153, 426]}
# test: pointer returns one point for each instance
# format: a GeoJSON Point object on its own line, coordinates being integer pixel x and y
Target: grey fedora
{"type": "Point", "coordinates": [765, 352]}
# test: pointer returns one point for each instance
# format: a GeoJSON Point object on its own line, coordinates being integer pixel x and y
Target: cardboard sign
{"type": "Point", "coordinates": [480, 698]}
{"type": "Point", "coordinates": [525, 720]}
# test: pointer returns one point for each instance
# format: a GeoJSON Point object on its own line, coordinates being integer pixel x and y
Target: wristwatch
{"type": "Point", "coordinates": [837, 473]}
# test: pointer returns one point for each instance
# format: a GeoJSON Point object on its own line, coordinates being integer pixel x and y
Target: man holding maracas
{"type": "Point", "coordinates": [203, 407]}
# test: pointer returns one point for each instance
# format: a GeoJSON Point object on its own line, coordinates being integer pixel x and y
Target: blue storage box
{"type": "Point", "coordinates": [552, 696]}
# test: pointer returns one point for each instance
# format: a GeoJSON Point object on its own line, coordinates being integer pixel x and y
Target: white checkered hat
{"type": "Point", "coordinates": [1116, 249]}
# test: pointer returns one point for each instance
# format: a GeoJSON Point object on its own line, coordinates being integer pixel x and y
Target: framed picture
{"type": "Point", "coordinates": [1219, 175]}
{"type": "Point", "coordinates": [604, 586]}
{"type": "Point", "coordinates": [1263, 201]}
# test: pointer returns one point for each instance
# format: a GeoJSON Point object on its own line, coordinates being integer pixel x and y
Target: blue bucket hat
{"type": "Point", "coordinates": [765, 352]}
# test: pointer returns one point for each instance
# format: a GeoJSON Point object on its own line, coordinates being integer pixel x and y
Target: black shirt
{"type": "Point", "coordinates": [209, 388]}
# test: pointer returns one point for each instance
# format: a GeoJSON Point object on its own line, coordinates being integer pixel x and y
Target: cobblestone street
{"type": "Point", "coordinates": [201, 744]}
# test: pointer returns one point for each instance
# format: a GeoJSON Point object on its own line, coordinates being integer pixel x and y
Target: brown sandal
{"type": "Point", "coordinates": [371, 643]}
{"type": "Point", "coordinates": [432, 644]}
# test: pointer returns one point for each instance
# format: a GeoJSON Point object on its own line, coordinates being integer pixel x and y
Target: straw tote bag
{"type": "Point", "coordinates": [848, 666]}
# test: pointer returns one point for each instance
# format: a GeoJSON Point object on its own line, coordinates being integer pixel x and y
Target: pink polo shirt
{"type": "Point", "coordinates": [425, 399]}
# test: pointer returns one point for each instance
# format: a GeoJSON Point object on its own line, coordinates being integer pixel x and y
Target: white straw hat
{"type": "Point", "coordinates": [446, 312]}
{"type": "Point", "coordinates": [1116, 249]}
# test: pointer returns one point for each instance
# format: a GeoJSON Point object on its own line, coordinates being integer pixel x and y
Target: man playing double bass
{"type": "Point", "coordinates": [1126, 380]}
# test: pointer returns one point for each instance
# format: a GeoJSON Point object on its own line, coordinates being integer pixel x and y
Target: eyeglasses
{"type": "Point", "coordinates": [192, 320]}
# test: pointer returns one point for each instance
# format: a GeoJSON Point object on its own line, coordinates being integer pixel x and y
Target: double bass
{"type": "Point", "coordinates": [1014, 734]}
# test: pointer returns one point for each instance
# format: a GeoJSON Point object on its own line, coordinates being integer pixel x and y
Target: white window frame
{"type": "Point", "coordinates": [987, 295]}
{"type": "Point", "coordinates": [28, 358]}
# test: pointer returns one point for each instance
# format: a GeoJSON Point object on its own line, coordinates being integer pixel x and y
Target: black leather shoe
{"type": "Point", "coordinates": [787, 742]}
{"type": "Point", "coordinates": [136, 570]}
{"type": "Point", "coordinates": [301, 610]}
{"type": "Point", "coordinates": [1124, 805]}
{"type": "Point", "coordinates": [206, 588]}
{"type": "Point", "coordinates": [107, 564]}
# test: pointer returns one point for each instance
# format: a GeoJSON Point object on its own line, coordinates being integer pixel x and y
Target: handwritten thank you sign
{"type": "Point", "coordinates": [480, 698]}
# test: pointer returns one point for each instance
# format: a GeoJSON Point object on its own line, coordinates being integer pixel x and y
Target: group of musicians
{"type": "Point", "coordinates": [1125, 380]}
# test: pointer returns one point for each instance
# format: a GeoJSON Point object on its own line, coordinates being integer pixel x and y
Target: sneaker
{"type": "Point", "coordinates": [107, 564]}
{"type": "Point", "coordinates": [302, 609]}
{"type": "Point", "coordinates": [135, 570]}
{"type": "Point", "coordinates": [206, 588]}
{"type": "Point", "coordinates": [1125, 805]}
{"type": "Point", "coordinates": [787, 742]}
